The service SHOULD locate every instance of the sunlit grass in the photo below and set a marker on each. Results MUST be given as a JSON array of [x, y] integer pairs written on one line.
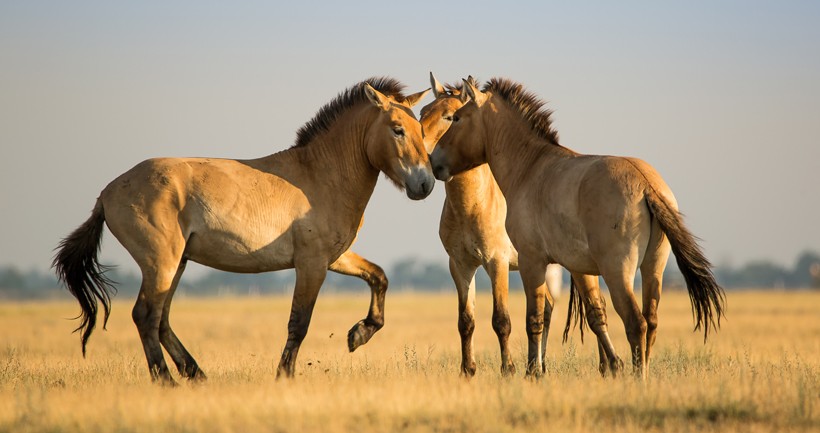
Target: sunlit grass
[[759, 373]]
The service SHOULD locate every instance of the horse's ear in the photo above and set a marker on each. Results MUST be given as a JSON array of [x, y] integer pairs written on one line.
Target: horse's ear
[[464, 96], [414, 99], [438, 89], [476, 95], [376, 97]]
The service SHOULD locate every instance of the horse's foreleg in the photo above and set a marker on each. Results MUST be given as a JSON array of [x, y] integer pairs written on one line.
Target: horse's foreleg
[[352, 264], [464, 279], [186, 364], [309, 279], [535, 288], [499, 272], [549, 302]]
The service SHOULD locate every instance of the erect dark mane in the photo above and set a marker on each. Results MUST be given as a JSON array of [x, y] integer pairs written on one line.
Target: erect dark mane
[[452, 89], [530, 107], [351, 96]]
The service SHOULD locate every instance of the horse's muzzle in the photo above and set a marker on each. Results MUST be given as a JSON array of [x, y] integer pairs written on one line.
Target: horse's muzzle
[[419, 183], [439, 170]]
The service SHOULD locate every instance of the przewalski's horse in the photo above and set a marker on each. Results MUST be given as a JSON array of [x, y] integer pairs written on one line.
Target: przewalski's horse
[[300, 208], [473, 234], [595, 215]]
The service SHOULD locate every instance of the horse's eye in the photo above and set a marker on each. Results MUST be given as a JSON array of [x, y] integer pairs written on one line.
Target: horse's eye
[[399, 131], [448, 118], [455, 118]]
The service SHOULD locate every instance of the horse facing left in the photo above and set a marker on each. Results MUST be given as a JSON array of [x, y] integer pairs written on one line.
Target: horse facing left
[[300, 208]]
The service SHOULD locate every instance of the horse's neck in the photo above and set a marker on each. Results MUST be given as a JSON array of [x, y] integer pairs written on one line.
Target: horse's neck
[[471, 188], [332, 167], [514, 151]]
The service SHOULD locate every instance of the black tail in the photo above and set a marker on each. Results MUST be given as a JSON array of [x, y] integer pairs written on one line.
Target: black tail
[[78, 268], [575, 307], [706, 296]]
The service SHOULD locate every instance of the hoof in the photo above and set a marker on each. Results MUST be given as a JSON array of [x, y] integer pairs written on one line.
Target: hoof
[[283, 373], [468, 369], [616, 367], [198, 378], [508, 370], [359, 335], [534, 375], [167, 382]]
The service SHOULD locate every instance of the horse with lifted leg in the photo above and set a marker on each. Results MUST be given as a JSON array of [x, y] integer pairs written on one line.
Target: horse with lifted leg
[[300, 208]]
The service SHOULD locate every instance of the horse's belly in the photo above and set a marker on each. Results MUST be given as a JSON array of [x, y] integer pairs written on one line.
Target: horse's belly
[[234, 253], [558, 239]]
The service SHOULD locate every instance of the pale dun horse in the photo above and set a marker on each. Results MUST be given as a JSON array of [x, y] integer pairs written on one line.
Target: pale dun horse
[[300, 208], [594, 215], [473, 234]]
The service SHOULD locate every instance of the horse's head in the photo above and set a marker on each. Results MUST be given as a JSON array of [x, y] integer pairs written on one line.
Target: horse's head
[[395, 144], [437, 116], [462, 146]]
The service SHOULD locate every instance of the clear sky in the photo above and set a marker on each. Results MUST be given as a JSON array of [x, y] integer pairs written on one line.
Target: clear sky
[[723, 98]]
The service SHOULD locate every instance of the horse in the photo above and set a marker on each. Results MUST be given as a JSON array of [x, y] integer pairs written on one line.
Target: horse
[[299, 208], [473, 234], [594, 215]]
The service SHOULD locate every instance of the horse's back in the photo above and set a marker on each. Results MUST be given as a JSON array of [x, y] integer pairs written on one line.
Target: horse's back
[[224, 213], [578, 208]]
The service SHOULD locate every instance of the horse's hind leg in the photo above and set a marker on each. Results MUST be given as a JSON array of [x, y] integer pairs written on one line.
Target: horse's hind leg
[[595, 307], [464, 279], [186, 365], [652, 268], [352, 264], [147, 315], [620, 284], [499, 272]]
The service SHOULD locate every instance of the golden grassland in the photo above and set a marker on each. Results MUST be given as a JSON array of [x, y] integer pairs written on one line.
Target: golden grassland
[[759, 373]]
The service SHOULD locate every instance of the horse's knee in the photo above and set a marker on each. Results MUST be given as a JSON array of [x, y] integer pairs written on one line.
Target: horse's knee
[[466, 323], [638, 328], [501, 324], [651, 323], [535, 324]]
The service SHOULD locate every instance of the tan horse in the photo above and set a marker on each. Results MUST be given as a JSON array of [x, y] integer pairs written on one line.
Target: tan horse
[[595, 215], [473, 234], [300, 208]]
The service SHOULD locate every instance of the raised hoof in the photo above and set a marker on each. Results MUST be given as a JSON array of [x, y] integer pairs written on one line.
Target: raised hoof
[[359, 335]]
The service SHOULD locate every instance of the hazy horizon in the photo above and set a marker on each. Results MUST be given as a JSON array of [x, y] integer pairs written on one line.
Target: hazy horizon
[[722, 99]]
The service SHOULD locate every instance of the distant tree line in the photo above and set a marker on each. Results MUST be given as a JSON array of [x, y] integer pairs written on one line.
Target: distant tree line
[[407, 274]]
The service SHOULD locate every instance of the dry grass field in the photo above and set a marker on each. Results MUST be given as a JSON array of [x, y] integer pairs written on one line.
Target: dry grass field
[[761, 372]]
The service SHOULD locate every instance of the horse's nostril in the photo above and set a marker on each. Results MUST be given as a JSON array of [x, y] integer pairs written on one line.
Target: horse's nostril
[[427, 185]]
